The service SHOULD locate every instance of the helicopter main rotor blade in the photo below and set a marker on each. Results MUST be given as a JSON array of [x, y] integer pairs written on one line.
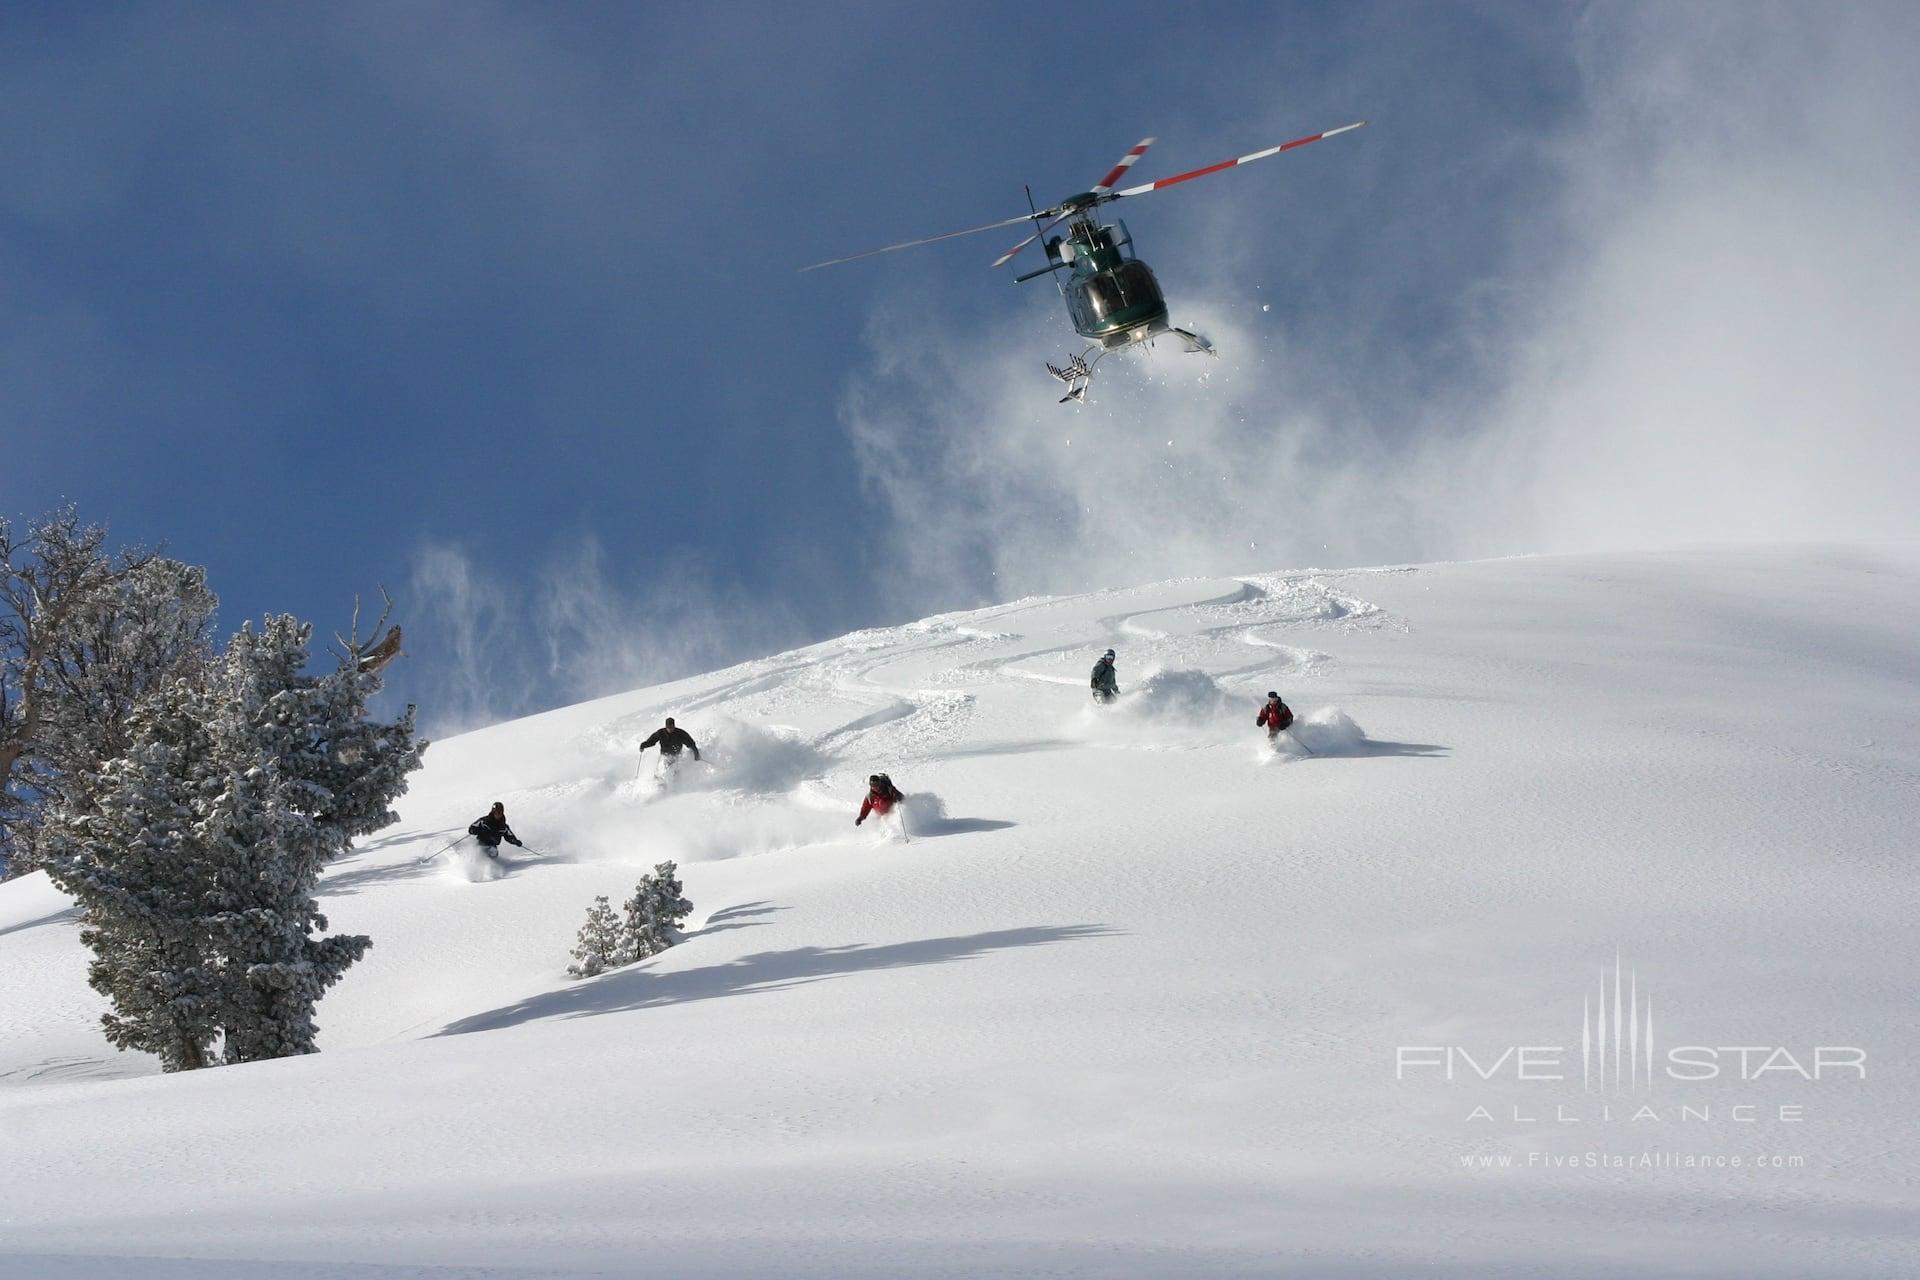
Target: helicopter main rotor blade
[[1120, 170], [1007, 257], [1228, 164], [908, 244]]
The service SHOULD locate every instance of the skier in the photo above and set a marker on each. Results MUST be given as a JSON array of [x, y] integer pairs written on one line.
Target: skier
[[1106, 686], [1276, 716], [882, 795], [671, 742], [492, 829]]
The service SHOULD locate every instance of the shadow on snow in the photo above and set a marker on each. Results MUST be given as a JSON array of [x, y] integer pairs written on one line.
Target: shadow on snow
[[640, 988], [62, 916], [735, 918], [1381, 747], [957, 826], [345, 877]]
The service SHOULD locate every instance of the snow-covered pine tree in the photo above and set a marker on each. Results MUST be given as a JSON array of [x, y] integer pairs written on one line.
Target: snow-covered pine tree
[[137, 864], [602, 944], [196, 859], [83, 634], [656, 912], [309, 771]]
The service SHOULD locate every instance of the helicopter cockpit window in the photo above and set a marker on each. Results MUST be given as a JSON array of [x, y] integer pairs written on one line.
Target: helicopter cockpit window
[[1104, 296], [1136, 281]]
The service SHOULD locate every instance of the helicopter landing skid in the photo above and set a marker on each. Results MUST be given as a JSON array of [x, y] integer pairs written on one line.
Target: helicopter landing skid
[[1078, 375], [1195, 343]]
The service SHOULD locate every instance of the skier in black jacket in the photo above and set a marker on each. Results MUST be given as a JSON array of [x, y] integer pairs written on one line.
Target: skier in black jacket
[[671, 741], [492, 829]]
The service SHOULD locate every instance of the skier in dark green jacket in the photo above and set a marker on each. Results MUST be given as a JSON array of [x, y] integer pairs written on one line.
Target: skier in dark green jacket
[[1106, 686]]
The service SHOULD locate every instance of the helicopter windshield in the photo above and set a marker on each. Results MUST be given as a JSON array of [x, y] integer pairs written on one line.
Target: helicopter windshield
[[1128, 284], [1103, 297]]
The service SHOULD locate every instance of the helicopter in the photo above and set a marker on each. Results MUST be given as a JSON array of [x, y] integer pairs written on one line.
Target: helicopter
[[1111, 294]]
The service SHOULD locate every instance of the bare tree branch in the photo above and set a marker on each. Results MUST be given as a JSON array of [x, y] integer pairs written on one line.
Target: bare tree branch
[[370, 656]]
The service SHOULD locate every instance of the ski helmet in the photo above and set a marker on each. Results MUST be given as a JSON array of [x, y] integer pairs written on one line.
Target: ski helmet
[[1273, 695], [1108, 654]]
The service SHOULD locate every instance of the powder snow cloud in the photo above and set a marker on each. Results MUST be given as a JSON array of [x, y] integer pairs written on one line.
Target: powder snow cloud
[[495, 646]]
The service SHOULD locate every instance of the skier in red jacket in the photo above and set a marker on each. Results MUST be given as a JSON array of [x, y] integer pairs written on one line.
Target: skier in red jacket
[[882, 795], [1276, 716]]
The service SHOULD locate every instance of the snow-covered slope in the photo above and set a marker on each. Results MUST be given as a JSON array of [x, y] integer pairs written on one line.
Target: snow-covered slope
[[1133, 999]]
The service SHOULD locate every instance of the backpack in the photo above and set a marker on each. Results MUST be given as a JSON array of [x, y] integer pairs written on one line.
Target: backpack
[[890, 791]]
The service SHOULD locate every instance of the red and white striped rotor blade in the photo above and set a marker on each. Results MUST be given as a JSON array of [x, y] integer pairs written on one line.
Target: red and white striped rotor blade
[[1228, 164], [908, 244], [1007, 257], [1119, 170]]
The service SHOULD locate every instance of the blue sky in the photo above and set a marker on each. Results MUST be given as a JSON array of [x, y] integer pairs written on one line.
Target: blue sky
[[497, 304]]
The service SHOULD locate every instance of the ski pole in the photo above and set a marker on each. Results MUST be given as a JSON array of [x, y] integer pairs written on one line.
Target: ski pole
[[437, 852], [1299, 742]]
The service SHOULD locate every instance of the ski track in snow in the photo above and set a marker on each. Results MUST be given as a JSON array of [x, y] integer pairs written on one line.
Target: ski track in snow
[[1126, 1001]]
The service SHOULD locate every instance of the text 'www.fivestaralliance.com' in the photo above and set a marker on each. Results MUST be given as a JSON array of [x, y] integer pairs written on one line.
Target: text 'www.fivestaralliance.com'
[[1649, 1161]]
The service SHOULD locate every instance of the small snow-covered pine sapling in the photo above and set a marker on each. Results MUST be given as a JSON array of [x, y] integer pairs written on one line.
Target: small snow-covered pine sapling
[[652, 923], [656, 911], [602, 943]]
